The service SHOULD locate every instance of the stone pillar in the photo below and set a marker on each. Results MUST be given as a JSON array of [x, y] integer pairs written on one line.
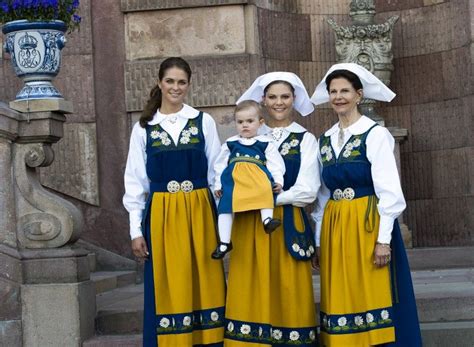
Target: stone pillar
[[41, 271], [400, 135]]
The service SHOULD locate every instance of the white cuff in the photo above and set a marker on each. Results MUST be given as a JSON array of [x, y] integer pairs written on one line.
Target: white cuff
[[385, 229], [135, 223], [317, 234], [284, 198]]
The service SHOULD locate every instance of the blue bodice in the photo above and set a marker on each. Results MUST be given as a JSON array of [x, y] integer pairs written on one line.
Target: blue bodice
[[186, 160], [351, 168], [290, 150]]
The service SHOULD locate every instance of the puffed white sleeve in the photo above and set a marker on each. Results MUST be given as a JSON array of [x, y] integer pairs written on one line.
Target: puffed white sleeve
[[275, 163], [137, 184], [212, 147], [220, 164], [307, 184], [321, 201], [380, 145]]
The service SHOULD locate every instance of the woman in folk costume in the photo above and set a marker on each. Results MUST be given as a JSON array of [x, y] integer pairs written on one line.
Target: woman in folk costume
[[167, 178], [270, 299], [366, 290]]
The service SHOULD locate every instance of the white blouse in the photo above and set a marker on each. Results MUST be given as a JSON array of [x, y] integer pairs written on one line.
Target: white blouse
[[308, 182], [380, 146], [275, 163], [137, 184]]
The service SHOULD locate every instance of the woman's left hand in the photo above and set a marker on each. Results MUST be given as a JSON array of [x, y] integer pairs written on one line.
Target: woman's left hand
[[381, 254]]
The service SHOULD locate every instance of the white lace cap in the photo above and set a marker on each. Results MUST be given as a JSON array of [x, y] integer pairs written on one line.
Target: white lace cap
[[302, 103], [373, 87]]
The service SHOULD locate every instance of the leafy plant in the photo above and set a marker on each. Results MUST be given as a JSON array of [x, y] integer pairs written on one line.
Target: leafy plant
[[41, 10]]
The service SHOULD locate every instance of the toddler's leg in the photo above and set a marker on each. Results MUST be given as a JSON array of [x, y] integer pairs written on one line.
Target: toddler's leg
[[269, 224], [224, 223], [225, 229]]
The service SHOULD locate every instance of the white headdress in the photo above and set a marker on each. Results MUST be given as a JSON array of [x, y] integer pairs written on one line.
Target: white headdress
[[373, 87], [302, 103]]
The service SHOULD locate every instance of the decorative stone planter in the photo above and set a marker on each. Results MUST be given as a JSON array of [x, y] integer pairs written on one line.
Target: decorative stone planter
[[35, 50]]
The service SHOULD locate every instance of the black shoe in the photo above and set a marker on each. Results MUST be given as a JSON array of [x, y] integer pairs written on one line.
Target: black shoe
[[271, 224], [218, 254]]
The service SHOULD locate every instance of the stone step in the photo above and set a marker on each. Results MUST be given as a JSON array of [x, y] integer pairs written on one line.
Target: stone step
[[114, 341], [455, 334], [110, 280], [442, 296]]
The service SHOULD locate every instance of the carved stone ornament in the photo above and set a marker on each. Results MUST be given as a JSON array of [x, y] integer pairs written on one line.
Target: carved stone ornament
[[45, 220]]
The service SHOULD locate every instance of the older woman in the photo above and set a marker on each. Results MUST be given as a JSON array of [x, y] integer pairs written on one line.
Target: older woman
[[270, 293], [172, 151], [366, 291]]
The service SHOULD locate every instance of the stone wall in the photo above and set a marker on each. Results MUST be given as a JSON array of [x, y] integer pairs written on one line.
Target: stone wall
[[112, 62]]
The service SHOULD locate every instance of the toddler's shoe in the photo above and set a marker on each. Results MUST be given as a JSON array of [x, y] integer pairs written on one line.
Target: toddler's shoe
[[218, 253], [270, 224]]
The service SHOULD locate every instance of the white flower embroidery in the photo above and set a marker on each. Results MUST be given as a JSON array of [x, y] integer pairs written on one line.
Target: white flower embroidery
[[163, 135], [155, 134], [384, 314], [286, 145], [325, 149], [349, 146], [295, 247], [187, 321], [284, 151], [346, 154], [257, 157], [294, 143], [342, 321], [311, 249], [173, 322], [237, 154], [245, 329], [308, 253], [186, 133], [369, 317], [356, 142], [166, 142], [329, 323], [184, 140], [193, 130], [328, 156], [247, 156], [277, 334], [214, 316], [294, 335], [358, 320], [164, 322], [312, 335], [230, 326], [260, 331], [302, 252]]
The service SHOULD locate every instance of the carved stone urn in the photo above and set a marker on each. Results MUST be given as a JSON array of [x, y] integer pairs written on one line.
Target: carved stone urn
[[35, 50]]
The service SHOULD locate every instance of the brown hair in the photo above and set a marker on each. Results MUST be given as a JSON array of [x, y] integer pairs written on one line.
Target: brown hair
[[249, 104], [154, 102]]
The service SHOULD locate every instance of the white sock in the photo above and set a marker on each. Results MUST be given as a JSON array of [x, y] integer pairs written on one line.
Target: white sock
[[225, 228], [266, 213]]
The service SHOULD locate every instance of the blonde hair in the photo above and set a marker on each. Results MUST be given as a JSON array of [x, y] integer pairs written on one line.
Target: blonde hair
[[250, 104]]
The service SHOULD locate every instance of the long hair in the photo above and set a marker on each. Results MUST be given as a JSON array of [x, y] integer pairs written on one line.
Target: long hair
[[154, 102]]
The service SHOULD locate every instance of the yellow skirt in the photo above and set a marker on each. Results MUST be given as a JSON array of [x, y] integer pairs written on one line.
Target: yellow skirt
[[355, 294], [252, 188], [189, 285], [270, 294]]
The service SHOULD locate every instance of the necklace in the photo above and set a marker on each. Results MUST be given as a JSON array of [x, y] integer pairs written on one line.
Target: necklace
[[340, 138], [277, 133]]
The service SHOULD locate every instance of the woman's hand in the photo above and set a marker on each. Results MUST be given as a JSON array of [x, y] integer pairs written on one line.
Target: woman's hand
[[218, 193], [277, 188], [139, 248], [315, 261], [381, 254]]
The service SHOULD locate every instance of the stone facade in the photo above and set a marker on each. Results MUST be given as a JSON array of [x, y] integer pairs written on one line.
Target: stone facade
[[112, 62]]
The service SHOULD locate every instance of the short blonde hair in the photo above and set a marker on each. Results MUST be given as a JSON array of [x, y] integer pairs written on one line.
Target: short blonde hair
[[250, 104]]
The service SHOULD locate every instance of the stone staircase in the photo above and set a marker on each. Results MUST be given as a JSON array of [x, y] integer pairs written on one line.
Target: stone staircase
[[443, 281]]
